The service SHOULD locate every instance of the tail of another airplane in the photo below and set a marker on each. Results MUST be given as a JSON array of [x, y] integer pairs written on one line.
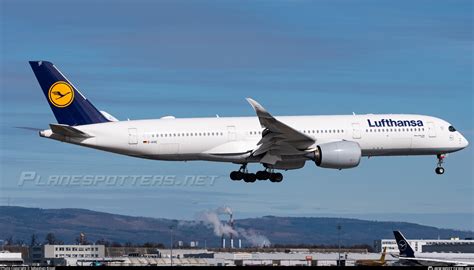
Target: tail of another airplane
[[69, 106], [403, 246], [382, 257]]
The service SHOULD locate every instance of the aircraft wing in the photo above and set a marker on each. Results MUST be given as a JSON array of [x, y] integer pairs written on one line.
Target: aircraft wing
[[432, 261], [278, 139]]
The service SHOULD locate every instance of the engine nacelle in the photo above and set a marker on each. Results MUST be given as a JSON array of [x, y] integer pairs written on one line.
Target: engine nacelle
[[338, 155]]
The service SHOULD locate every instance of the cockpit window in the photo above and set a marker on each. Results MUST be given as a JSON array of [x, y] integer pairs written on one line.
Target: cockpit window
[[451, 128]]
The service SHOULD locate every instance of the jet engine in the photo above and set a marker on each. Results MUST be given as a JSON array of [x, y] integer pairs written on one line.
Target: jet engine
[[338, 155]]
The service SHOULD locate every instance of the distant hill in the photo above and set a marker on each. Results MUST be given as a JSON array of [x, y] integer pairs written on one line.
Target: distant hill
[[20, 223]]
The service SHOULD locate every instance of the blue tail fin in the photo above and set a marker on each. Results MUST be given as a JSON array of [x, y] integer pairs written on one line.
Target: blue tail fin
[[69, 106], [403, 245]]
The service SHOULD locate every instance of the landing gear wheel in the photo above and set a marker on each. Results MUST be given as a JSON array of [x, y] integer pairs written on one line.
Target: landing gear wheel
[[439, 170], [262, 175], [239, 175], [276, 177], [250, 177], [236, 175]]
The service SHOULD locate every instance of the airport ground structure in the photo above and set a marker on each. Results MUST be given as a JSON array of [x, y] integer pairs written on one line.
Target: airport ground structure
[[87, 255]]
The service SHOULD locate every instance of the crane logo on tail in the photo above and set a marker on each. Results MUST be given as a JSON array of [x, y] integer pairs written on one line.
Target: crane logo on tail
[[402, 245], [61, 94]]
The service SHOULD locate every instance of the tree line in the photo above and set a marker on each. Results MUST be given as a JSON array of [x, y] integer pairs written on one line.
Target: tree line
[[51, 239]]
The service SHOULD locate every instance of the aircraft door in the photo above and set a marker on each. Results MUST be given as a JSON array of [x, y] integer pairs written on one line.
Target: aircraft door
[[132, 136], [356, 133], [232, 136], [431, 130]]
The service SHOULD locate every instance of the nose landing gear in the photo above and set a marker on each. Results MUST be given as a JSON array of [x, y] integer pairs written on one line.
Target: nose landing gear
[[439, 169]]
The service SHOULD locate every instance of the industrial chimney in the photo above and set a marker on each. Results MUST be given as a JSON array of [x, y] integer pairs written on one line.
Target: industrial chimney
[[231, 223]]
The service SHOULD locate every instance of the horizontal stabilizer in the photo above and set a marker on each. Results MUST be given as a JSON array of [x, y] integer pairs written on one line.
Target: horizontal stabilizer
[[30, 128], [69, 131]]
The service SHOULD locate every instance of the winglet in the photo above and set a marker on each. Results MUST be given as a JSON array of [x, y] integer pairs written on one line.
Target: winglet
[[255, 105], [259, 109]]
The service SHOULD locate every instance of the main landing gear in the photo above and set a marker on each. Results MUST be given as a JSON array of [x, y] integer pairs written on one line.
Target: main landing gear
[[243, 174], [439, 169]]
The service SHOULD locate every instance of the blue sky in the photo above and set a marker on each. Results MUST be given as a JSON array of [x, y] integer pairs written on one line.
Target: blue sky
[[147, 59]]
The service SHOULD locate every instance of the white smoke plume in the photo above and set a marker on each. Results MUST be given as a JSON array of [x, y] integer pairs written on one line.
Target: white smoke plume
[[210, 218], [254, 238], [224, 210]]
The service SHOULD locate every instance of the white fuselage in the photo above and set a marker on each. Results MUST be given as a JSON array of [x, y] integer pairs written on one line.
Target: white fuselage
[[232, 139], [440, 259]]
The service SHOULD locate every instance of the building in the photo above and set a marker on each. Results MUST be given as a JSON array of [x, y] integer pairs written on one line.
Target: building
[[127, 251], [36, 255], [193, 257], [56, 254], [10, 258], [98, 255], [420, 245], [73, 251]]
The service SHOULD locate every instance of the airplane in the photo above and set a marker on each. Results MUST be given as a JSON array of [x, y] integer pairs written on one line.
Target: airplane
[[409, 257], [278, 143], [379, 262]]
